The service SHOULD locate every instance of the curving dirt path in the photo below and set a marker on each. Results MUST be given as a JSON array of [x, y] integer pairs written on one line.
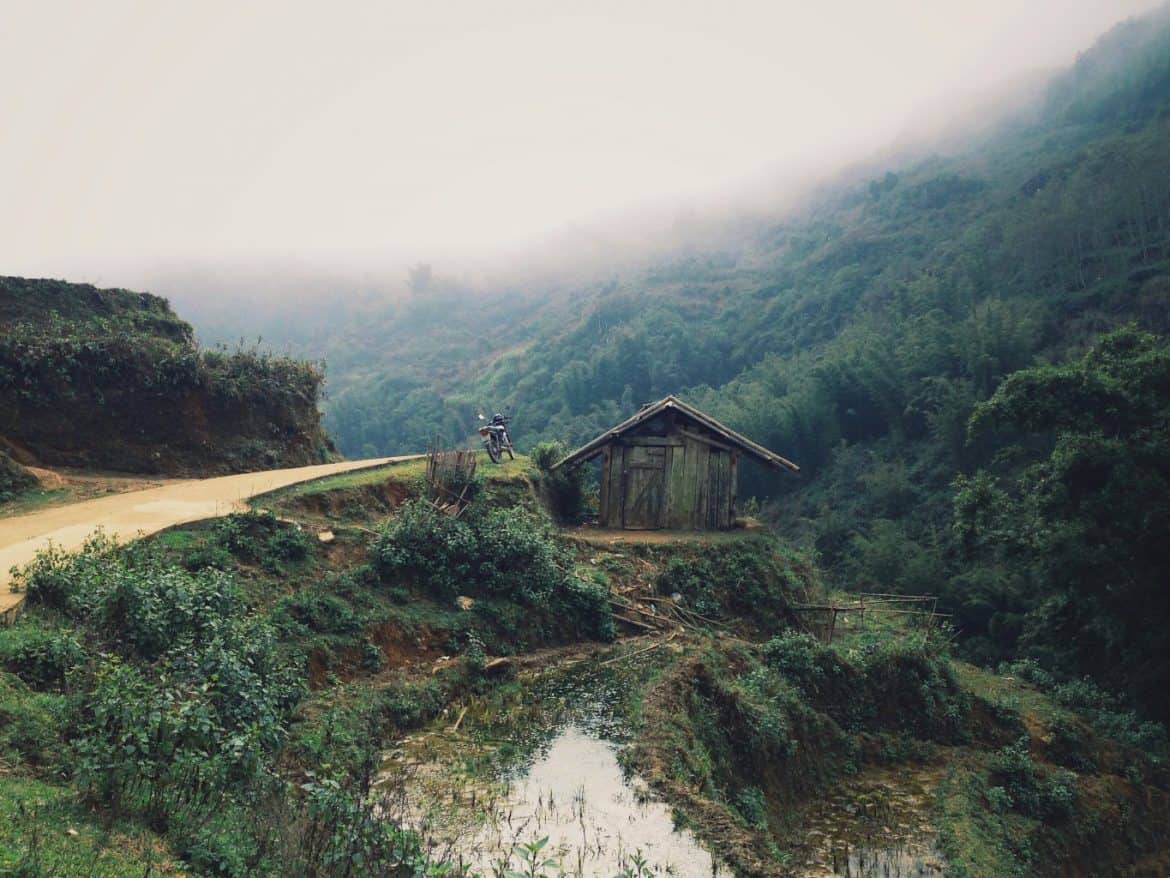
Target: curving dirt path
[[145, 512]]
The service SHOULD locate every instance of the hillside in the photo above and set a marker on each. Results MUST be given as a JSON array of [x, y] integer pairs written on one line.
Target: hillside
[[113, 379], [243, 697], [859, 337], [1023, 244]]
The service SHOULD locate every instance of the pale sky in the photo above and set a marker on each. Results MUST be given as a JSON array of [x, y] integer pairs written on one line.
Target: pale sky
[[139, 134]]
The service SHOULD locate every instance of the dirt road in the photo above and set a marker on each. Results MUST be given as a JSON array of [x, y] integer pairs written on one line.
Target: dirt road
[[144, 512]]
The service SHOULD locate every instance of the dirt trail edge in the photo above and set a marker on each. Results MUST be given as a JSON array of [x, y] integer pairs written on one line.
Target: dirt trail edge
[[145, 512]]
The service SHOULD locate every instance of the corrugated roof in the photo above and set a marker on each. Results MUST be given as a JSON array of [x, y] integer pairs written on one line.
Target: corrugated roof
[[593, 448]]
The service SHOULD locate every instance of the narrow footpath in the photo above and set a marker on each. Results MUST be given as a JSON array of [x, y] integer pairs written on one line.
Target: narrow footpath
[[140, 513]]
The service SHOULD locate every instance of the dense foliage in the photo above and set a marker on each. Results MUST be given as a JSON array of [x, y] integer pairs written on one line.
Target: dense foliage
[[1068, 555], [166, 701], [494, 555], [13, 478], [112, 378], [858, 336]]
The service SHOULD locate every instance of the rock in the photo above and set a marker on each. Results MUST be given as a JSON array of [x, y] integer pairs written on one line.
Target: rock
[[497, 665], [326, 536], [71, 831], [464, 602]]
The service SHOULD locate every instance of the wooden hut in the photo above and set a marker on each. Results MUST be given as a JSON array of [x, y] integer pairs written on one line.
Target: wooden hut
[[670, 466]]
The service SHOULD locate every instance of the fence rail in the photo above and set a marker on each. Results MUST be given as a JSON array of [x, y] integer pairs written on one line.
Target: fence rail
[[823, 620]]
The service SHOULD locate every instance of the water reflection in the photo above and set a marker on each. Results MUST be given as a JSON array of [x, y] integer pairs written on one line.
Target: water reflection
[[877, 827], [597, 822], [542, 764]]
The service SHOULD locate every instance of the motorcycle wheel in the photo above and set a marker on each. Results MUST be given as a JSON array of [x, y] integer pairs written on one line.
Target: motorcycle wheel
[[493, 449], [508, 448]]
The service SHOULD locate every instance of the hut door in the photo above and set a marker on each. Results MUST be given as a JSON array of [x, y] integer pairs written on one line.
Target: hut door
[[644, 494]]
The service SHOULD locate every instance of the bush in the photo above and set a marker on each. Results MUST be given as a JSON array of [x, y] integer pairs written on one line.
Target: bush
[[435, 550], [1029, 788], [313, 612], [564, 489], [409, 705], [805, 661], [261, 538], [40, 657], [31, 724], [752, 807], [913, 688], [499, 555], [14, 479], [754, 579], [54, 576], [1104, 711]]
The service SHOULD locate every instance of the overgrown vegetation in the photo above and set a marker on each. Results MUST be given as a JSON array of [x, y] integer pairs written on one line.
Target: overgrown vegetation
[[14, 479], [493, 555], [857, 337], [110, 378], [564, 490], [754, 579]]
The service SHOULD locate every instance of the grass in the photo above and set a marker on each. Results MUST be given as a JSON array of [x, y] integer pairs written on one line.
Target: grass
[[44, 831], [1032, 703], [973, 839], [406, 471], [410, 472], [681, 538], [34, 501]]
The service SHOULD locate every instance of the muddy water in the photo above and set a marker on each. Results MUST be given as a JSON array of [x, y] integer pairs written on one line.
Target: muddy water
[[543, 761], [546, 766], [876, 827]]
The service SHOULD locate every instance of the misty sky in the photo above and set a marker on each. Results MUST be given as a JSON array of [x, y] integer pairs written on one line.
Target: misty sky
[[134, 135]]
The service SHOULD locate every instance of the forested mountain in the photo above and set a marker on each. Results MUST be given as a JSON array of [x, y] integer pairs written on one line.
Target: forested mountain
[[1025, 244], [859, 336]]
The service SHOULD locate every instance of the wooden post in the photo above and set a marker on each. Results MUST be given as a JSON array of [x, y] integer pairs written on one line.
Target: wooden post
[[832, 625]]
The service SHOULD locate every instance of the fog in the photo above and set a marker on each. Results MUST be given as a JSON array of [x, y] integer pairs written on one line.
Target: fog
[[227, 146]]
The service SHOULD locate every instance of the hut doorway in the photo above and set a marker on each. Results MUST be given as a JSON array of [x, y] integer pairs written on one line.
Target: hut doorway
[[644, 491]]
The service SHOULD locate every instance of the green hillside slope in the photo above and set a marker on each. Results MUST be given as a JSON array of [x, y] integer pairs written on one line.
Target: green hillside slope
[[858, 338]]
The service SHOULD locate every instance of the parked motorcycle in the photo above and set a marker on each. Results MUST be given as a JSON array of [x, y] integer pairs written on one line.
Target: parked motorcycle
[[495, 437]]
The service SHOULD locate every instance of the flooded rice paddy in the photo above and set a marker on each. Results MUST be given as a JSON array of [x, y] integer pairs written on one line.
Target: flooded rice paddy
[[544, 766], [878, 826], [543, 761]]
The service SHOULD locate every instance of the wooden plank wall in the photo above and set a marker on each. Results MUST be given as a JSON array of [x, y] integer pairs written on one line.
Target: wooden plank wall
[[603, 492], [616, 493], [698, 489]]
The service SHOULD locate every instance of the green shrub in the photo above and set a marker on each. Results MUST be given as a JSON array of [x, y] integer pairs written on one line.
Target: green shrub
[[1070, 746], [1028, 787], [42, 658], [211, 555], [1106, 713], [261, 538], [434, 549], [912, 688], [14, 479], [314, 612], [347, 833], [752, 807], [409, 705], [563, 489], [806, 662], [54, 576], [752, 579], [32, 725], [500, 555]]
